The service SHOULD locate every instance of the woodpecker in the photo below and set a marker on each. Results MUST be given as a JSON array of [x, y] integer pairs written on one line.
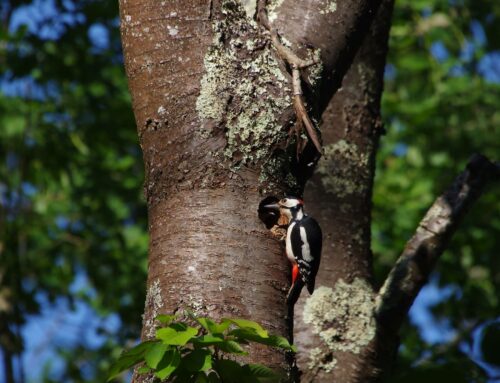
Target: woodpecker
[[303, 245]]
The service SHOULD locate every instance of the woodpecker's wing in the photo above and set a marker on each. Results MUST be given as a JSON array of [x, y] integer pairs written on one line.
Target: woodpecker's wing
[[306, 240]]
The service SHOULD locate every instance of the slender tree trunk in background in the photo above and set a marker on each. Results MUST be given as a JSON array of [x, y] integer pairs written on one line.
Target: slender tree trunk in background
[[339, 196]]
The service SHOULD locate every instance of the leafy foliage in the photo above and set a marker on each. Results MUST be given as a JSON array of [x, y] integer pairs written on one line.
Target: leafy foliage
[[70, 177], [440, 107], [202, 352]]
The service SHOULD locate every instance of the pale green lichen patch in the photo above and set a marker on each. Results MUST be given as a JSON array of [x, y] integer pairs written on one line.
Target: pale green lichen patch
[[243, 89], [328, 7], [317, 359], [250, 7], [154, 302], [344, 169], [367, 74], [316, 71], [272, 6], [342, 317]]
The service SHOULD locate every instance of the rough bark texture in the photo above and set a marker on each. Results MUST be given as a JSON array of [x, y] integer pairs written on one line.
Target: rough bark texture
[[208, 252], [213, 105], [212, 102], [339, 196], [334, 28]]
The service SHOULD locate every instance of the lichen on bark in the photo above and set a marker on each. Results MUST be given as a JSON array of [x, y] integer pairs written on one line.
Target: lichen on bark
[[272, 6], [329, 6], [342, 317], [243, 89], [154, 302], [341, 160]]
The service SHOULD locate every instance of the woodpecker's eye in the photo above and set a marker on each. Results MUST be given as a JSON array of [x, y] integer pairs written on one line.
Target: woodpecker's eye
[[285, 200]]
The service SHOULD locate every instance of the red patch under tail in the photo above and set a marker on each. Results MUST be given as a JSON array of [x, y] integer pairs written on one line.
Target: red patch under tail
[[295, 273]]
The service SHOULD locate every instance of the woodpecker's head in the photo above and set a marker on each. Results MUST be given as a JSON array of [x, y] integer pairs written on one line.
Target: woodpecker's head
[[291, 207]]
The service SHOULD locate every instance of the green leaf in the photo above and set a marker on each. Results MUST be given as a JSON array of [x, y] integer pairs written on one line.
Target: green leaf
[[252, 336], [170, 335], [165, 319], [141, 348], [77, 141], [168, 364], [207, 340], [121, 365], [207, 323], [248, 324], [143, 370], [228, 370], [130, 358], [262, 372], [197, 360], [232, 347], [154, 355], [13, 126], [281, 342], [212, 327]]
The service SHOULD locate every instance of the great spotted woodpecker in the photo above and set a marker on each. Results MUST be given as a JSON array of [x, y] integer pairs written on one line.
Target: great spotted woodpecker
[[303, 245]]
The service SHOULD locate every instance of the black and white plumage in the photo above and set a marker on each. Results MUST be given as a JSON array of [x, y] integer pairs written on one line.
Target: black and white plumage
[[303, 246]]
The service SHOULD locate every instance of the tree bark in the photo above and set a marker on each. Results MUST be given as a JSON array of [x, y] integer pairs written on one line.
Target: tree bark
[[212, 102], [212, 96], [339, 196], [208, 251]]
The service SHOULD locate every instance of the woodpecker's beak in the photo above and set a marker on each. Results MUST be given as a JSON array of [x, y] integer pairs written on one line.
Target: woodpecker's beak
[[272, 206]]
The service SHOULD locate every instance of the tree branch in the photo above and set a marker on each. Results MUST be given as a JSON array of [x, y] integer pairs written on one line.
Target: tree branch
[[335, 28], [430, 240]]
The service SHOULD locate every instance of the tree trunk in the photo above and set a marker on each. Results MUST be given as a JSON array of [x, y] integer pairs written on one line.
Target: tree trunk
[[208, 251], [212, 99], [339, 196], [216, 89]]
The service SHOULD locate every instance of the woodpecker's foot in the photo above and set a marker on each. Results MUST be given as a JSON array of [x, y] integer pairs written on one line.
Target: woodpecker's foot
[[278, 233]]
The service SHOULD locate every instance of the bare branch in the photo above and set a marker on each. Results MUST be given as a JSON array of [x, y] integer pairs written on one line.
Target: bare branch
[[431, 238]]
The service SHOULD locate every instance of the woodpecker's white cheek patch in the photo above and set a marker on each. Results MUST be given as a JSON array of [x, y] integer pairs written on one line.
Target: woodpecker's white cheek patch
[[306, 251]]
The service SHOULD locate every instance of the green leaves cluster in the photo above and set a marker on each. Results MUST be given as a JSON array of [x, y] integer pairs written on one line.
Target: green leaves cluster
[[439, 109], [71, 175], [202, 352]]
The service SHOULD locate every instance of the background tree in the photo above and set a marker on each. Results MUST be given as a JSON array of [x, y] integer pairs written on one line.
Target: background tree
[[62, 89], [72, 220]]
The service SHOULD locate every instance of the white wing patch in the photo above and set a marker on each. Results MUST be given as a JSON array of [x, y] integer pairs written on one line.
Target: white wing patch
[[306, 251], [289, 250]]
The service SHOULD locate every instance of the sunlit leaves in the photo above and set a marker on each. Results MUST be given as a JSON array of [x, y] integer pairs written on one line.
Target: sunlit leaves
[[179, 352], [178, 335]]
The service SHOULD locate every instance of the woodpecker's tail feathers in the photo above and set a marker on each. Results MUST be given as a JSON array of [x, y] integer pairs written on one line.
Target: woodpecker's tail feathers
[[310, 286], [294, 292]]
